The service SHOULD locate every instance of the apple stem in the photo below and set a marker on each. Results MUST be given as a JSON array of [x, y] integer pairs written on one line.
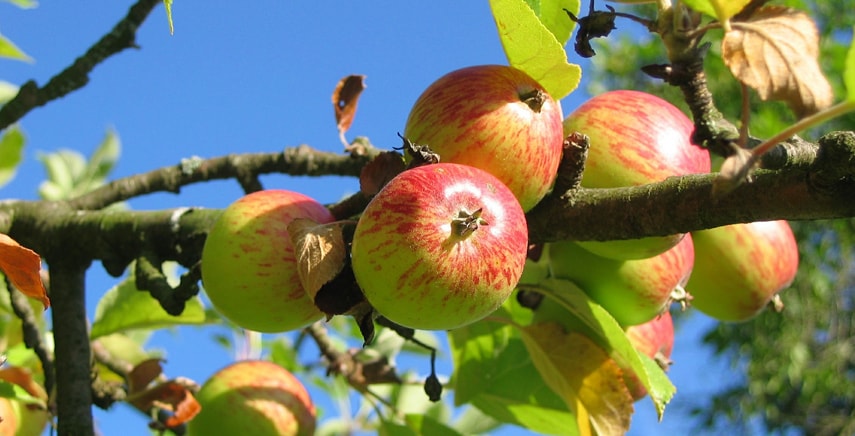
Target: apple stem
[[534, 99], [466, 222]]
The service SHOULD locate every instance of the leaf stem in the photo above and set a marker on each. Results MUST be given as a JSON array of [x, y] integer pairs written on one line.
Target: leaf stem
[[805, 123]]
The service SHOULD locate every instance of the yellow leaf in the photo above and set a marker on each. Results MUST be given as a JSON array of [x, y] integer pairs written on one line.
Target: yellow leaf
[[582, 374], [21, 266], [320, 252], [776, 53]]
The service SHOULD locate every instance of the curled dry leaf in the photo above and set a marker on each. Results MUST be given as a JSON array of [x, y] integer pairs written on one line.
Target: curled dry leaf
[[320, 251], [21, 266], [583, 375], [173, 395], [736, 169], [380, 170], [143, 374], [344, 99], [776, 53]]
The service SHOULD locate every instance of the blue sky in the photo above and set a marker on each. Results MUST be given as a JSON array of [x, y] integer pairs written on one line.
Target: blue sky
[[258, 78]]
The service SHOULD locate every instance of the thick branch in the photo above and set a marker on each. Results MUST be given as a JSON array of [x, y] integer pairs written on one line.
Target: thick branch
[[75, 76], [681, 204]]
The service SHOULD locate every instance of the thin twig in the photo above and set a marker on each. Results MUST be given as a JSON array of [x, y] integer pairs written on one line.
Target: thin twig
[[76, 75], [33, 337]]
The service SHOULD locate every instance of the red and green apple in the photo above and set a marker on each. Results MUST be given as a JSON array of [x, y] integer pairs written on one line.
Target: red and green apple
[[636, 138], [253, 397], [249, 268], [740, 267], [440, 246], [496, 118], [632, 291]]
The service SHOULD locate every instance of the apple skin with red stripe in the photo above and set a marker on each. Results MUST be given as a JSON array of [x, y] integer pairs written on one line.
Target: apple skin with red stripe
[[440, 246], [740, 267], [254, 397], [632, 291], [496, 118], [249, 267], [635, 139]]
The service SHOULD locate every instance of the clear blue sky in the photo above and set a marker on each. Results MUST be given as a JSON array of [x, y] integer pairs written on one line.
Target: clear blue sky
[[258, 78]]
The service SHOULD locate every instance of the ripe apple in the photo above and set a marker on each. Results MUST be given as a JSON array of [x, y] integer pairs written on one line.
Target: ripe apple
[[248, 263], [253, 397], [496, 118], [633, 291], [440, 246], [655, 339], [636, 139], [740, 267]]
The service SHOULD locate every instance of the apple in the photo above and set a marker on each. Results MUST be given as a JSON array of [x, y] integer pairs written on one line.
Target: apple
[[22, 419], [636, 138], [655, 339], [249, 267], [253, 397], [440, 246], [496, 118], [632, 291], [740, 267]]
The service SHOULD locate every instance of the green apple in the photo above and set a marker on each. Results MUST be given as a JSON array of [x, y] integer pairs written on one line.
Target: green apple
[[248, 263], [253, 397], [632, 291], [496, 118], [740, 267], [636, 139], [440, 246]]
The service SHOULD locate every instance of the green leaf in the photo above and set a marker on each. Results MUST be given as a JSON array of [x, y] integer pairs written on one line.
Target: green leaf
[[723, 10], [103, 160], [599, 326], [530, 46], [124, 308], [849, 70], [23, 4], [11, 153], [168, 5], [494, 373], [551, 13], [9, 50]]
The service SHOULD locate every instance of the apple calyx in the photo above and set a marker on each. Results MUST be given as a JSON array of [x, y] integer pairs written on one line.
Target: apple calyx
[[466, 223], [682, 297], [534, 99]]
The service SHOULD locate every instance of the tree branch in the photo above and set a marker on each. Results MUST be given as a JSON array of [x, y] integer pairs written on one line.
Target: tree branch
[[71, 336], [75, 76], [295, 161], [33, 337]]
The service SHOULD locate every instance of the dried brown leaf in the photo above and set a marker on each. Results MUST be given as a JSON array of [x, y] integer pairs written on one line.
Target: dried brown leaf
[[320, 252], [21, 266], [735, 170], [344, 99], [143, 374], [379, 171], [776, 53], [173, 395]]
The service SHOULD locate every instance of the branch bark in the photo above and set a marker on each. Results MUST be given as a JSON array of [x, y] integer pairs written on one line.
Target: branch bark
[[73, 375]]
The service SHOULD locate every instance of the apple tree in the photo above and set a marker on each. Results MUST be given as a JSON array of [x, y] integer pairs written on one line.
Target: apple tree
[[544, 254]]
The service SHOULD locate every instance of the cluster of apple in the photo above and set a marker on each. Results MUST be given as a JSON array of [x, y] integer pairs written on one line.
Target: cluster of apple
[[730, 273], [442, 245]]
